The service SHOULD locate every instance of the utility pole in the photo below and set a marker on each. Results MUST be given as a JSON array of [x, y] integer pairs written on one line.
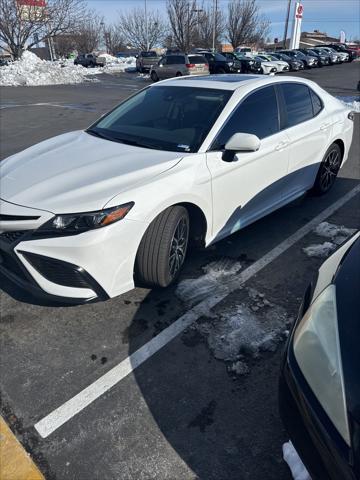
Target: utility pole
[[146, 28], [188, 28], [286, 23], [215, 8]]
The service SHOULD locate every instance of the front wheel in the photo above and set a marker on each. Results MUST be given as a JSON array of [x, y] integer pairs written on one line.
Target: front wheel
[[163, 248], [329, 168]]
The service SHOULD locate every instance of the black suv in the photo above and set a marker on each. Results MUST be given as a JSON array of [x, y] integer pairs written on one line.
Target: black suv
[[242, 63], [217, 62]]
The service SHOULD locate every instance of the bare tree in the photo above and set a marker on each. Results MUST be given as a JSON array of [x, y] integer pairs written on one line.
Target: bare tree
[[205, 27], [132, 25], [24, 24], [244, 23], [114, 39], [182, 22], [65, 44], [89, 33]]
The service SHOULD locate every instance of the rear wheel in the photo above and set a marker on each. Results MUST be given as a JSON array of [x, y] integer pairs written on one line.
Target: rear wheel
[[221, 70], [179, 74], [154, 76], [329, 168], [163, 248]]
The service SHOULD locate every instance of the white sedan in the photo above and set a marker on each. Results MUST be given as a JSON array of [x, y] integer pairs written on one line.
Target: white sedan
[[87, 215], [267, 67], [280, 65]]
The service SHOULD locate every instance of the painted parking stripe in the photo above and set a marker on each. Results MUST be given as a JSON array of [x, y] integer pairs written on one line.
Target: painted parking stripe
[[15, 462], [76, 404]]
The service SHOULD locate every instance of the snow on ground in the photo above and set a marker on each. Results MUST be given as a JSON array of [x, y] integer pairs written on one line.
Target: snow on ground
[[296, 466], [237, 334], [118, 64], [336, 235], [215, 279], [352, 102], [30, 70]]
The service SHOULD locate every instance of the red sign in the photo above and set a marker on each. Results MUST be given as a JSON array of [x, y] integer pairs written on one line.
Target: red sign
[[32, 3], [299, 11]]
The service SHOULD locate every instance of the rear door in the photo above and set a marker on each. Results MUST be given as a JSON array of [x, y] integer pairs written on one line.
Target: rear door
[[250, 186], [308, 127]]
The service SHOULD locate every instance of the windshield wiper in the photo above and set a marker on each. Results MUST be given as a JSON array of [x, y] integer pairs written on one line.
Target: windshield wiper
[[95, 133]]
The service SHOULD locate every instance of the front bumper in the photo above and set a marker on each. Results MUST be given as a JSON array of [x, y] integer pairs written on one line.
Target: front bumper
[[321, 448], [87, 267]]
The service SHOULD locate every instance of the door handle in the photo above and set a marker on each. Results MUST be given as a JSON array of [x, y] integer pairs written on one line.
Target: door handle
[[281, 146], [324, 126]]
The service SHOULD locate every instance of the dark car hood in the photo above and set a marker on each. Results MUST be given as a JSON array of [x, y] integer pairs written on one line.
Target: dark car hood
[[347, 282]]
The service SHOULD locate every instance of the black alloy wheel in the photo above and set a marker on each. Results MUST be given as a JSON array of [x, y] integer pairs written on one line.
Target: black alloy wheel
[[329, 168]]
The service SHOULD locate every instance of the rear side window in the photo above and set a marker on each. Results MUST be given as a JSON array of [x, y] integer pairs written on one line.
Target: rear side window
[[316, 103], [197, 59], [298, 103], [176, 60], [257, 114]]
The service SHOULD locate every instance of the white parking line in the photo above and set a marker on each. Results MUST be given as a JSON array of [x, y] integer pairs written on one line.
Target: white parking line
[[69, 409]]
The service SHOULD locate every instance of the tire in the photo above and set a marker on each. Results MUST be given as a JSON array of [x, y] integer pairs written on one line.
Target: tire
[[179, 74], [221, 70], [161, 254], [154, 76], [328, 170]]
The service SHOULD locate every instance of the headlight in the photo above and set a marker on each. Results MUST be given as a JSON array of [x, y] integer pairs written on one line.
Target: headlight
[[251, 62], [70, 224], [317, 352], [230, 64]]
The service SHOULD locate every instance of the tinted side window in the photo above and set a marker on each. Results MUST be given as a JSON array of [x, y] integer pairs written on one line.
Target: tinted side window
[[176, 60], [316, 103], [297, 103], [257, 114]]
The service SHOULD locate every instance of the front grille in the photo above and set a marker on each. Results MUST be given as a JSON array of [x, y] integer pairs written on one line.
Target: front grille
[[57, 271], [10, 237]]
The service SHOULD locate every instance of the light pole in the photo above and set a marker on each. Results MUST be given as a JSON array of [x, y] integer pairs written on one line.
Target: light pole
[[146, 28], [286, 23], [198, 10], [215, 7]]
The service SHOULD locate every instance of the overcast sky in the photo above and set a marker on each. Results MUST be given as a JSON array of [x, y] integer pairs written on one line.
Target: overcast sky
[[330, 16]]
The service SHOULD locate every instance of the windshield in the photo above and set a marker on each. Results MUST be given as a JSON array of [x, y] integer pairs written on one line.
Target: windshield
[[164, 118], [219, 57], [148, 54]]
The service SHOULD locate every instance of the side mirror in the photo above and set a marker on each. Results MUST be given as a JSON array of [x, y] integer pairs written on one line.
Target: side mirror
[[240, 142]]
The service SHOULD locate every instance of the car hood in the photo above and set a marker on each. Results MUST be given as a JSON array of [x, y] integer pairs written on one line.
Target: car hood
[[77, 172]]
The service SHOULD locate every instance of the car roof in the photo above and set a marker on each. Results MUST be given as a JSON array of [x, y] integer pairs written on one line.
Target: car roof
[[229, 81]]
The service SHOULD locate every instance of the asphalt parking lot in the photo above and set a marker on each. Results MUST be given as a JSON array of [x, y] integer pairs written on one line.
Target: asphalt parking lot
[[195, 408]]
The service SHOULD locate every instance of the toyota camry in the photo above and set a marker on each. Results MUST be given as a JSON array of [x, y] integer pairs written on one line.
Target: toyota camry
[[88, 214]]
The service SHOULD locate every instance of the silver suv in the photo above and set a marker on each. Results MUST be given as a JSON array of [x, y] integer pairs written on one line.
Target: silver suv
[[179, 64]]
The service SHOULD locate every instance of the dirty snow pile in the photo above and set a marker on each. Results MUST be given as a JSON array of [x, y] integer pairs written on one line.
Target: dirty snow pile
[[352, 102], [235, 334], [117, 64], [336, 235], [30, 70], [296, 466]]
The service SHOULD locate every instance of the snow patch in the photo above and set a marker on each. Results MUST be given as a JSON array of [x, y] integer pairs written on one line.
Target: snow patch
[[337, 235], [352, 102], [296, 466], [30, 70], [217, 276]]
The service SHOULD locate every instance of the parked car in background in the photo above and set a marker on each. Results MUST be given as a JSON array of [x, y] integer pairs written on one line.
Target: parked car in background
[[320, 383], [247, 51], [266, 66], [339, 47], [281, 65], [333, 55], [88, 213], [145, 60], [340, 56], [217, 62], [323, 58], [242, 63], [294, 64], [179, 64], [308, 61], [88, 60]]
